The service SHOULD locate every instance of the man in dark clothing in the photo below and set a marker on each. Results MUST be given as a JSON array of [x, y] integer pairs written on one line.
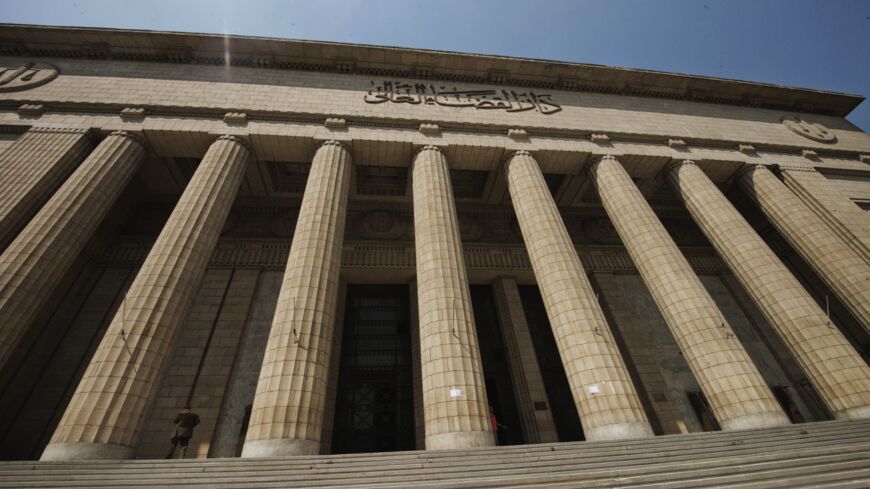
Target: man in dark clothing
[[185, 421]]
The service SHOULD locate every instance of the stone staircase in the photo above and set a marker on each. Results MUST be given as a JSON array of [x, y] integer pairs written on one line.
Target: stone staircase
[[827, 454]]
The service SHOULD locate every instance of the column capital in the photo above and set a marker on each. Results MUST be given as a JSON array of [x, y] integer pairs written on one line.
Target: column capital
[[130, 135], [334, 142], [236, 139], [427, 147], [747, 168], [601, 159], [676, 163]]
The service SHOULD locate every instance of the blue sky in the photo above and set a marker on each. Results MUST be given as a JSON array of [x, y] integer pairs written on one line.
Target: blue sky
[[820, 44]]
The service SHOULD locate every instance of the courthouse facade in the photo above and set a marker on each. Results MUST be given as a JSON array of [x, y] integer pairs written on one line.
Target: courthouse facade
[[330, 248]]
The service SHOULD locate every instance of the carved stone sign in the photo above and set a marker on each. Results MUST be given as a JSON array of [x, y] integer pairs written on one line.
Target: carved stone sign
[[26, 76], [809, 130], [399, 92]]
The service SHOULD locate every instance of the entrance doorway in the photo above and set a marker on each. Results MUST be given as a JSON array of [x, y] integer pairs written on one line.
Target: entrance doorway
[[374, 401]]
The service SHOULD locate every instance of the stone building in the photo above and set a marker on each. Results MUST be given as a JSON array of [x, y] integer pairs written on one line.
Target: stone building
[[330, 248]]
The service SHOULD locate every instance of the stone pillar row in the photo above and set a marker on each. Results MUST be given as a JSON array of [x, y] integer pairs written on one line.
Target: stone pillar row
[[606, 399], [735, 390], [837, 371], [842, 269], [36, 261], [103, 419]]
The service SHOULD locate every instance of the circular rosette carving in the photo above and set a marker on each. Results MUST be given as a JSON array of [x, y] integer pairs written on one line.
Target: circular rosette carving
[[283, 225], [809, 130], [381, 225], [470, 228], [231, 223], [601, 230], [28, 75]]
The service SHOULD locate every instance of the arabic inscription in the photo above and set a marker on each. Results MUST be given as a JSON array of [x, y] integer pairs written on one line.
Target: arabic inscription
[[398, 92]]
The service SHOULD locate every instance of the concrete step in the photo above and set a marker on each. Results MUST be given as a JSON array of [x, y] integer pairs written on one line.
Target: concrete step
[[627, 445], [697, 441], [355, 469], [818, 453]]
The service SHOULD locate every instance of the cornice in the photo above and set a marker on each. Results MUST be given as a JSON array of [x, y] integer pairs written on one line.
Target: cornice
[[254, 52]]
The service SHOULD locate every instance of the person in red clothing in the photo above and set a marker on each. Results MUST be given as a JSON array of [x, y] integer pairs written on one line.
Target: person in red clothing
[[496, 426]]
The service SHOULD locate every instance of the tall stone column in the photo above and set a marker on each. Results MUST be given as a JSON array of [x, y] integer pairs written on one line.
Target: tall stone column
[[531, 395], [847, 274], [36, 261], [454, 392], [820, 194], [606, 399], [104, 417], [289, 405], [836, 370], [32, 168], [738, 395]]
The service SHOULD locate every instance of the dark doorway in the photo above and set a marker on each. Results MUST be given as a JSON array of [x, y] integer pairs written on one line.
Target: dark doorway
[[496, 372], [374, 409], [555, 381]]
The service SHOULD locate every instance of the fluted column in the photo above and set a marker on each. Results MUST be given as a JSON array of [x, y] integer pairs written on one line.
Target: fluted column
[[32, 168], [847, 274], [606, 399], [839, 374], [289, 405], [738, 395], [36, 261], [104, 418], [531, 395], [454, 392], [834, 207]]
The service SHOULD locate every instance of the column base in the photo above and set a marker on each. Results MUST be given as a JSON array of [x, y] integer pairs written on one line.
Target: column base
[[861, 412], [86, 451], [460, 439], [280, 447], [755, 421], [623, 431]]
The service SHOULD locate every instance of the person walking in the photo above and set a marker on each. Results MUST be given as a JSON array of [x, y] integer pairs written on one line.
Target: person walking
[[496, 426], [185, 421]]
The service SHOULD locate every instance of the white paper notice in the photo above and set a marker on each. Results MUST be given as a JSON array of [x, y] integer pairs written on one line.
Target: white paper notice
[[593, 389], [454, 393]]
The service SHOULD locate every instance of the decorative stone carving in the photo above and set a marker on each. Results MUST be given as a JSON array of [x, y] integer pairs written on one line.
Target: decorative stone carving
[[430, 129], [518, 134], [746, 148], [132, 113], [470, 228], [236, 118], [809, 130], [32, 110], [599, 138], [335, 123], [283, 225], [677, 143], [601, 230], [381, 225], [26, 76], [809, 154]]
